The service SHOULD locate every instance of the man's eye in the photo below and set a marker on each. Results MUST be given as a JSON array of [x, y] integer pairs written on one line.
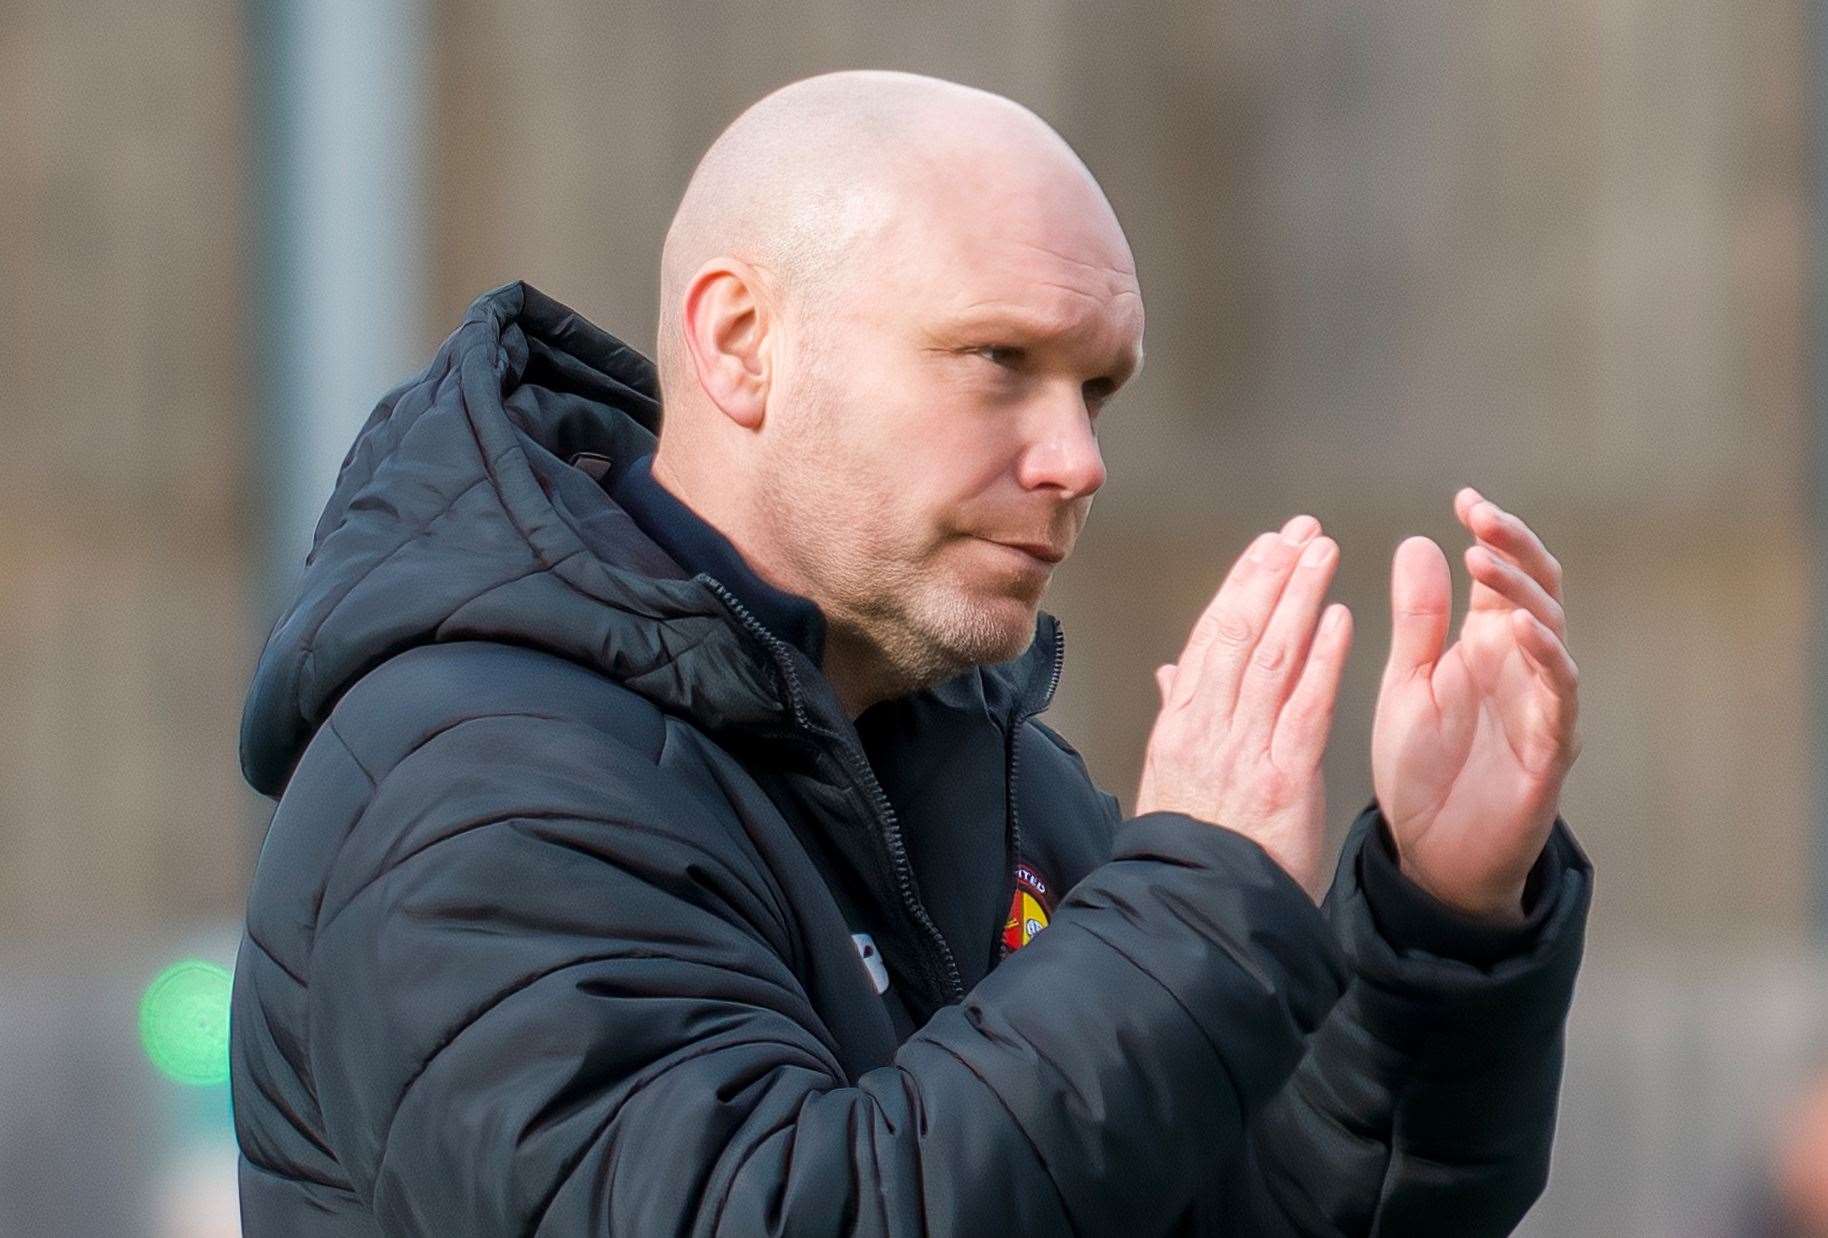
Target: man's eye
[[999, 354]]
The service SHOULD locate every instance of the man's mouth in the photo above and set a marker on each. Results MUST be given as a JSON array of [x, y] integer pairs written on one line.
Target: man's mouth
[[1042, 551]]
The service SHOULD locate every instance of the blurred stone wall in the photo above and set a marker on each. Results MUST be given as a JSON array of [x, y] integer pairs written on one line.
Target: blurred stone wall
[[128, 530]]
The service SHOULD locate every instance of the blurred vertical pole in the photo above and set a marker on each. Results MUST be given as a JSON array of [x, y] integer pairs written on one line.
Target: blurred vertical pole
[[1816, 180], [340, 87]]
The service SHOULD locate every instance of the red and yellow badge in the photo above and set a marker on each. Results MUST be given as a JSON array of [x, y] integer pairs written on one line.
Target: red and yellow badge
[[1028, 908]]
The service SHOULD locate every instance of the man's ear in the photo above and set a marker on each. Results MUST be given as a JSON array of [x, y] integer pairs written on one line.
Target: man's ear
[[729, 330]]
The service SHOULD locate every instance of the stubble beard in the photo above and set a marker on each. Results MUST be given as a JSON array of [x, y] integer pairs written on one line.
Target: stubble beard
[[917, 618]]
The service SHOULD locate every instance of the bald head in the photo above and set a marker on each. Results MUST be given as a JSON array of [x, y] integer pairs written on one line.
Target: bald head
[[892, 309], [808, 182]]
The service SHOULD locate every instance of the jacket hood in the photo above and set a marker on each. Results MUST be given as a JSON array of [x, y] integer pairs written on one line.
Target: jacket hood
[[459, 515]]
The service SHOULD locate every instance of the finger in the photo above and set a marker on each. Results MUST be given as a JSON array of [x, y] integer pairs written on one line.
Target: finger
[[1300, 737], [1555, 668], [1516, 587], [1548, 654], [1276, 663], [1420, 601], [1511, 537], [1234, 620], [1300, 528], [1212, 626]]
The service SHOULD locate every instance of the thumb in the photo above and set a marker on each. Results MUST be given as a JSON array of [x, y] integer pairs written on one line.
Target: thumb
[[1164, 681], [1421, 598]]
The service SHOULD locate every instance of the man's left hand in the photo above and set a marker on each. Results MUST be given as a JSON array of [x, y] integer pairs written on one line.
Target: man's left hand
[[1471, 743]]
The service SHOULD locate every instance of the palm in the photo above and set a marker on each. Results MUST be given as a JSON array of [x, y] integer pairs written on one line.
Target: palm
[[1471, 742]]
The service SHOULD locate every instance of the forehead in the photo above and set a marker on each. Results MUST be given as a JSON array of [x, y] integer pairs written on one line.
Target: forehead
[[1035, 266]]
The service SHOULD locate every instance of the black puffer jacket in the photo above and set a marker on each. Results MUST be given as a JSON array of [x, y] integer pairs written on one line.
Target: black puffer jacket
[[552, 930]]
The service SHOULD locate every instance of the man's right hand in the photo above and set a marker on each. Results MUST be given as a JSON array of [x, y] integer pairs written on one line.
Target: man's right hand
[[1246, 711]]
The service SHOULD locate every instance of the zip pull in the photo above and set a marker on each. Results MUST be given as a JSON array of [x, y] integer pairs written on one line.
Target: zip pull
[[592, 464]]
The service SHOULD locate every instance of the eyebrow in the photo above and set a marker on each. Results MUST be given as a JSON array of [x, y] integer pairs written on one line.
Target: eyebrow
[[1025, 327]]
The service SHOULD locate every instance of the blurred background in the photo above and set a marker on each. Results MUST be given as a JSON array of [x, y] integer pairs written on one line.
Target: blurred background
[[1568, 253]]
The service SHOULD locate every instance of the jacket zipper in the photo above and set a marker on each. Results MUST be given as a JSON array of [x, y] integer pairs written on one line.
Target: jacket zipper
[[1013, 834], [947, 977]]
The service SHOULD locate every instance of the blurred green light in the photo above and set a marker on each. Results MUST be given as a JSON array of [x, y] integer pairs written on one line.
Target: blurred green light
[[184, 1022]]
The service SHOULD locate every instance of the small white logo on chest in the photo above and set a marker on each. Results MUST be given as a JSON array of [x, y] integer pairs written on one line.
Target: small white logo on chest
[[872, 961]]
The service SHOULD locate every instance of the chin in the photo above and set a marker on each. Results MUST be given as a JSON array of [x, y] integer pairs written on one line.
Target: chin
[[1018, 644], [979, 630], [967, 616]]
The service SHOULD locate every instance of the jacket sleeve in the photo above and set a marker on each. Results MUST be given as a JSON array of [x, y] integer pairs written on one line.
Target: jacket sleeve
[[552, 992], [1429, 1093]]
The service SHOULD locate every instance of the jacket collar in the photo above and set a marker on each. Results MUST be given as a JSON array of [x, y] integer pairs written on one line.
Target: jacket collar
[[699, 545]]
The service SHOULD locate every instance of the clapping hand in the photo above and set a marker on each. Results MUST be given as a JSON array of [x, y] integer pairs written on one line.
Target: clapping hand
[[1471, 742]]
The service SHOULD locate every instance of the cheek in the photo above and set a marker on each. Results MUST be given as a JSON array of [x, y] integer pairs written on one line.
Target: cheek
[[944, 487], [913, 465]]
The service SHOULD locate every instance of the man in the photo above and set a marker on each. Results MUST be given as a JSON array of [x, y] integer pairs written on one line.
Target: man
[[666, 841]]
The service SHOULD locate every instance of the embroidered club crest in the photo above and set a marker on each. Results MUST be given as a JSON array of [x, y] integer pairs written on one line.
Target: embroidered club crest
[[1029, 907]]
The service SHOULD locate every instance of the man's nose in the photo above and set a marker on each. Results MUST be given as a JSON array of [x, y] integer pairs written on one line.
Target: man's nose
[[1065, 455]]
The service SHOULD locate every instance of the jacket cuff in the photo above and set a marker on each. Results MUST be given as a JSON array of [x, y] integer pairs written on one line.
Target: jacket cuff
[[1411, 918], [1417, 1001]]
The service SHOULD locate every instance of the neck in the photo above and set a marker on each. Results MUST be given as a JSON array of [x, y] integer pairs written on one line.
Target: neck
[[856, 666], [859, 673]]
